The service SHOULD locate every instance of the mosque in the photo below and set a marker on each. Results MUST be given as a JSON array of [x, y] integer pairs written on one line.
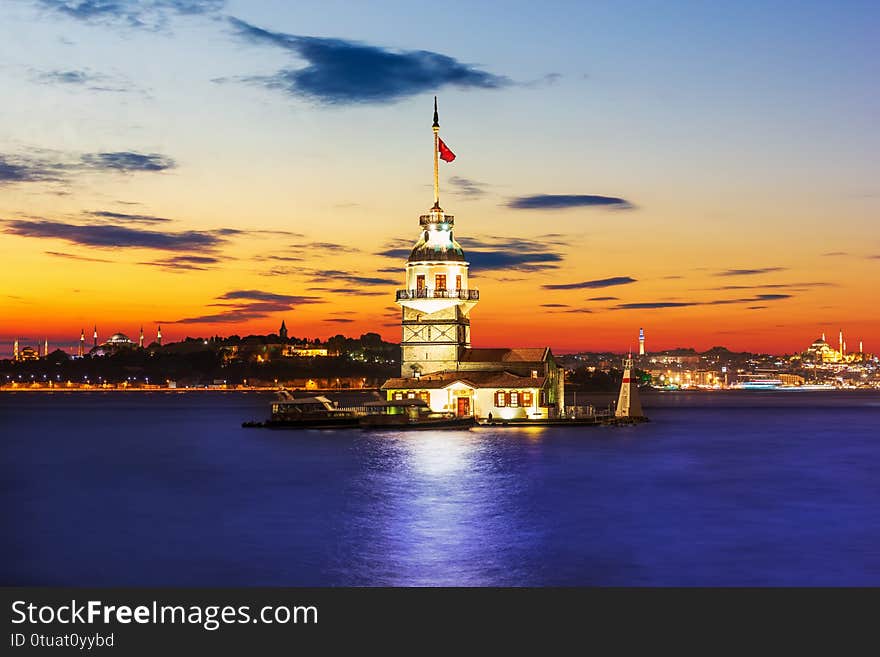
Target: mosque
[[820, 352], [438, 363]]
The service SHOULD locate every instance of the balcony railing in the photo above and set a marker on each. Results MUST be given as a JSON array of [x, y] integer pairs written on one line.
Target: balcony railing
[[431, 293]]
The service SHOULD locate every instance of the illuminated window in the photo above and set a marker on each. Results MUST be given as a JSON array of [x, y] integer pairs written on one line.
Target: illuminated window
[[398, 396], [500, 399], [527, 398], [424, 396], [458, 282], [410, 395], [514, 399], [543, 398], [440, 281], [420, 282]]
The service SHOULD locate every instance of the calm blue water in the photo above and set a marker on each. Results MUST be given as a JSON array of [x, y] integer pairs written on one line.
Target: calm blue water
[[167, 489]]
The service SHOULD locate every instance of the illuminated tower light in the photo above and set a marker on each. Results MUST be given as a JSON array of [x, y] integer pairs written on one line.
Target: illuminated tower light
[[159, 336], [95, 335], [141, 338], [641, 342], [81, 351]]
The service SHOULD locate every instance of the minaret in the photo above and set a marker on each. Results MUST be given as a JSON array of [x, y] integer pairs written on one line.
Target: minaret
[[15, 349], [81, 350], [159, 336], [282, 332], [861, 350], [628, 403], [840, 343], [437, 300], [641, 342], [141, 338], [45, 347], [95, 335]]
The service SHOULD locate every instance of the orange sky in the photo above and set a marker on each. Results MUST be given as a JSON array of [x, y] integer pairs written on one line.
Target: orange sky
[[136, 190]]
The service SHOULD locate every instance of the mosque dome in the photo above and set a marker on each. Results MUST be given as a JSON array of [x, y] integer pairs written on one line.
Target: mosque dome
[[119, 338]]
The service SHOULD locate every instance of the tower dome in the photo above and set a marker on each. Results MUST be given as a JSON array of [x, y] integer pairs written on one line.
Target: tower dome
[[436, 242]]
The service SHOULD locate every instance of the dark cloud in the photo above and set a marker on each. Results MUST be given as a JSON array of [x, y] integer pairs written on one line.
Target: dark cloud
[[773, 286], [339, 320], [73, 256], [131, 218], [563, 201], [277, 258], [390, 270], [554, 305], [112, 236], [342, 72], [598, 283], [682, 304], [184, 263], [32, 168], [466, 187], [259, 295], [602, 299], [492, 253], [67, 77], [144, 14], [836, 253], [247, 305], [750, 272], [127, 161], [18, 169]]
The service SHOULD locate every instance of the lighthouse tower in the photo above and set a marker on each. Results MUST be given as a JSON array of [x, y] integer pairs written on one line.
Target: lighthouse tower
[[628, 403], [437, 300]]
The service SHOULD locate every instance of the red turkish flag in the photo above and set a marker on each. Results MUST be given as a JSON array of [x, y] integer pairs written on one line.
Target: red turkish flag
[[445, 154]]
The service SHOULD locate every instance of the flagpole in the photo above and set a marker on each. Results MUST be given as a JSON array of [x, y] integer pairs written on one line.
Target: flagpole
[[436, 129]]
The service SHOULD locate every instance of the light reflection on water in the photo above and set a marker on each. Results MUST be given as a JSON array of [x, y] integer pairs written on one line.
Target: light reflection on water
[[111, 489]]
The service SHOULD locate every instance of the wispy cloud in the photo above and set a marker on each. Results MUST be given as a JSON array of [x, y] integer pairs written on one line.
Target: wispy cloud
[[466, 187], [565, 201], [652, 305], [750, 272], [128, 161], [246, 305], [83, 79], [602, 299], [73, 256], [184, 263], [142, 14], [554, 305], [129, 218], [112, 236], [598, 283], [31, 168], [343, 72]]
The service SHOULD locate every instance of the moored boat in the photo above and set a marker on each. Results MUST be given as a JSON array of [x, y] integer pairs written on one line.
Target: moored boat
[[306, 413], [410, 414]]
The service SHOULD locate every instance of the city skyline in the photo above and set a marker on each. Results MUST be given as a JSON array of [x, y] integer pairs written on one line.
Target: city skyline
[[268, 163]]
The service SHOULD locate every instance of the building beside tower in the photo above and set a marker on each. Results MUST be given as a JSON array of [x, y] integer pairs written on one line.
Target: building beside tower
[[438, 363]]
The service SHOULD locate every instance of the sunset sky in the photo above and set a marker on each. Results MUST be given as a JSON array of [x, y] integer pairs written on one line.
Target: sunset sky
[[707, 171]]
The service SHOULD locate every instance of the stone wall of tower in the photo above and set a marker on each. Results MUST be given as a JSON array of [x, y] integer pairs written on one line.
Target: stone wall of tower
[[433, 342]]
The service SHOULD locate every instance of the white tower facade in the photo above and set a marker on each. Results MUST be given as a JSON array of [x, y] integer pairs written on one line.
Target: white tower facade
[[437, 300], [628, 402], [641, 342]]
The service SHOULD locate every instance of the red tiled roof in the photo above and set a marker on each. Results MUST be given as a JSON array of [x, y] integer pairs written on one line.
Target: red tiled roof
[[502, 355], [490, 379]]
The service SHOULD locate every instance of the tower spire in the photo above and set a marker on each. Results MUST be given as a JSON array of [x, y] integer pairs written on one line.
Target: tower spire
[[436, 129]]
